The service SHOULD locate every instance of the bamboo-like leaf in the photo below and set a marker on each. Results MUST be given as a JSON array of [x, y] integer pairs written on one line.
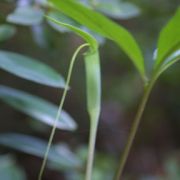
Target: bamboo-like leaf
[[36, 107], [105, 27], [59, 155], [169, 39], [30, 69]]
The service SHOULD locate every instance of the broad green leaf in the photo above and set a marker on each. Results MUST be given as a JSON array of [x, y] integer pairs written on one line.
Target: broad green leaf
[[117, 9], [30, 69], [103, 26], [9, 169], [59, 155], [26, 16], [169, 39], [36, 107], [6, 31]]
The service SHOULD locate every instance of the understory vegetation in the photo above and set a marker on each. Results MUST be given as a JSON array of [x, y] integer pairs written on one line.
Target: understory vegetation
[[89, 89]]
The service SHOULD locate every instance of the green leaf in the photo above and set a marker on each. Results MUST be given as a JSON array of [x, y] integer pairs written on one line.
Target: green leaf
[[169, 39], [59, 155], [36, 107], [9, 170], [26, 16], [105, 27], [30, 69], [6, 31]]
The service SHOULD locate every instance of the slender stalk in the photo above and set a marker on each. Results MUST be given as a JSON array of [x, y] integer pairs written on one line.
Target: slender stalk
[[59, 110], [134, 128], [92, 141], [93, 83]]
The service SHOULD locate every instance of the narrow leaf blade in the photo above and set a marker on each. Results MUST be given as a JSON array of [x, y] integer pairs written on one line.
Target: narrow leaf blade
[[36, 107], [30, 69]]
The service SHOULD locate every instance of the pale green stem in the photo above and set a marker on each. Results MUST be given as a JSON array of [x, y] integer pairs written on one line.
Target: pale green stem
[[93, 83], [134, 128], [59, 110], [92, 141]]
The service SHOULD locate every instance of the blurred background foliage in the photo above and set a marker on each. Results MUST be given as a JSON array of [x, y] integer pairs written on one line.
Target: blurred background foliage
[[156, 151]]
